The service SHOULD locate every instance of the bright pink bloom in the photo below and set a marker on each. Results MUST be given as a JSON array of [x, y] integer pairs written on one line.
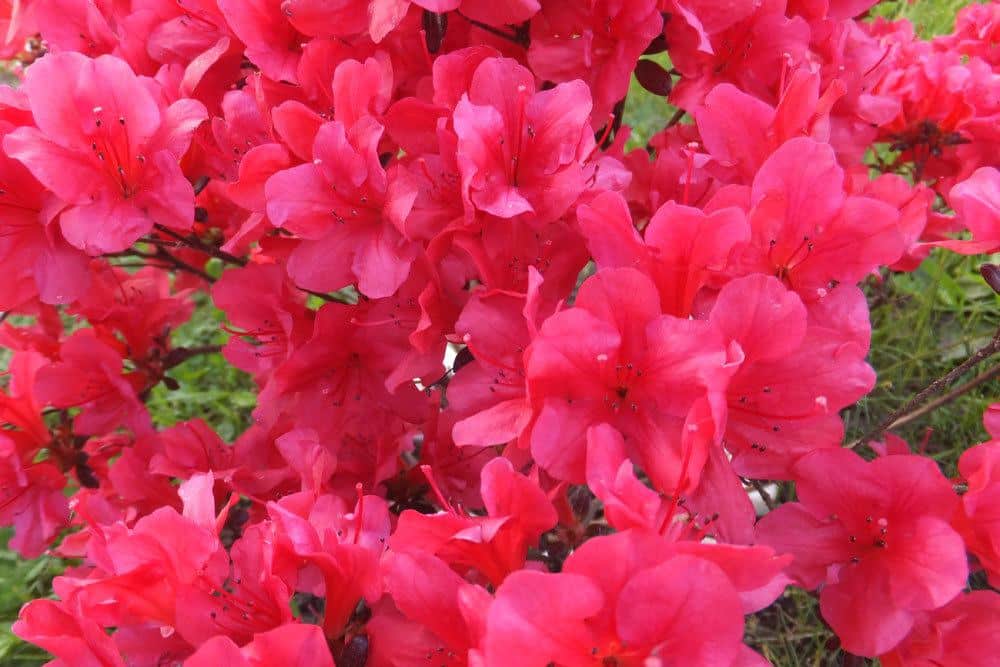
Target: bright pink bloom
[[597, 42], [806, 231], [341, 205], [774, 415], [521, 151], [488, 394], [979, 519], [976, 201], [31, 243], [31, 500], [108, 146], [615, 358], [517, 513], [140, 306], [322, 536], [436, 613], [90, 375], [876, 537], [268, 316], [961, 633], [77, 641], [619, 599], [291, 645], [682, 248]]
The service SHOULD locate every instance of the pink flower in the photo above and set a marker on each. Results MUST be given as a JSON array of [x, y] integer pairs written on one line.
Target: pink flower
[[806, 231], [290, 645], [597, 42], [976, 201], [615, 358], [960, 633], [340, 205], [875, 537], [89, 375], [108, 146], [517, 513], [31, 243], [774, 417], [521, 151], [979, 518], [619, 599], [31, 500], [75, 639]]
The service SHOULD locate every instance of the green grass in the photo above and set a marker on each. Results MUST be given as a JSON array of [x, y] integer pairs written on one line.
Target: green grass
[[20, 581], [929, 17]]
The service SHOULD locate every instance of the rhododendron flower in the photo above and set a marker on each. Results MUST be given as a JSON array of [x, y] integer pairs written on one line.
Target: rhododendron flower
[[875, 537], [517, 513], [73, 638], [960, 633], [806, 231], [604, 606], [682, 248], [615, 358], [89, 375], [108, 146], [340, 204], [976, 201], [520, 378], [979, 518], [774, 417], [521, 151], [31, 243], [597, 42], [291, 645], [343, 546], [31, 500]]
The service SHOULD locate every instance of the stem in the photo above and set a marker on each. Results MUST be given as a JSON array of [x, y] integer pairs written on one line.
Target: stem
[[764, 495], [503, 34], [676, 118], [198, 244], [909, 410], [184, 266], [179, 355], [325, 297], [960, 390]]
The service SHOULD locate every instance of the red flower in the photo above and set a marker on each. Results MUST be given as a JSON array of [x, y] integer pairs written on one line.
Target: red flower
[[979, 518], [521, 151], [517, 513], [108, 146], [619, 600], [290, 645], [615, 358], [963, 632], [89, 375], [340, 204], [876, 537]]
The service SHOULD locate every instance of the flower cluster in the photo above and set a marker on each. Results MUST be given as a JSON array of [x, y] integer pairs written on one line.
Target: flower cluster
[[515, 376]]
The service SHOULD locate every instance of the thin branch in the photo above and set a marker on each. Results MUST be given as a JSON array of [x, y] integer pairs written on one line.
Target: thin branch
[[326, 297], [132, 253], [503, 34], [764, 495], [676, 118], [935, 387], [960, 390], [198, 244], [182, 265], [179, 355]]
